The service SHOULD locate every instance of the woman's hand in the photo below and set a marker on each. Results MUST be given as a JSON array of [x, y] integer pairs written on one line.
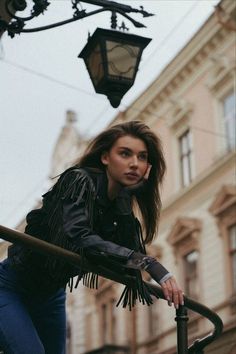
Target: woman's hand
[[162, 276], [145, 177], [172, 292], [138, 186]]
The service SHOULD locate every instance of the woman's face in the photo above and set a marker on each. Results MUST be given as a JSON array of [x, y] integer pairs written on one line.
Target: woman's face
[[126, 162]]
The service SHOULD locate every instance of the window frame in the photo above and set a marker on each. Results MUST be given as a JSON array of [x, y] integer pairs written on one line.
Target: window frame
[[223, 209], [221, 81], [186, 276], [184, 239], [105, 296], [228, 144], [187, 135], [232, 254]]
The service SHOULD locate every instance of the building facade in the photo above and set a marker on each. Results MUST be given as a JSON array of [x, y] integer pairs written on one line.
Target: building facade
[[191, 106]]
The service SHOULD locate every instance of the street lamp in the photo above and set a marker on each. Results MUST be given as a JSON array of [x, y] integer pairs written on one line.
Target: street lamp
[[112, 57]]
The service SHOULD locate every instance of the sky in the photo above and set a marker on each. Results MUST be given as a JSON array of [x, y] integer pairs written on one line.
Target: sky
[[41, 77]]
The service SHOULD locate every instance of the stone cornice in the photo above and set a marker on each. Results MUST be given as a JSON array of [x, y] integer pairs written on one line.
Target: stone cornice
[[222, 68], [190, 58], [180, 110], [199, 182], [183, 228], [225, 198]]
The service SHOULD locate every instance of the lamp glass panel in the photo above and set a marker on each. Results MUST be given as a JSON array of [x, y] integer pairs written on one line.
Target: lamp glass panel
[[122, 58], [95, 65]]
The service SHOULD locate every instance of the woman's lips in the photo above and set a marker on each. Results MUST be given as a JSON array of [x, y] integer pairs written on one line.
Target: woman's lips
[[132, 175]]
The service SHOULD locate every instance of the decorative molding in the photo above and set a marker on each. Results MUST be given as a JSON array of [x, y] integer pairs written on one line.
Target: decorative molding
[[185, 228], [185, 67], [201, 183], [224, 200], [224, 209], [222, 69], [179, 112], [165, 85]]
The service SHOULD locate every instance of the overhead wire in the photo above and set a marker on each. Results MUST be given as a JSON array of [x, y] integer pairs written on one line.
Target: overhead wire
[[73, 87], [164, 120], [51, 78]]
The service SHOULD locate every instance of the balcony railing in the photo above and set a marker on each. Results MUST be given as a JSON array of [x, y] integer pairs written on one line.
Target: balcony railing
[[110, 349], [181, 314]]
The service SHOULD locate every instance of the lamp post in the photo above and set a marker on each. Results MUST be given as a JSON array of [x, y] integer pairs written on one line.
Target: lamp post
[[112, 59], [111, 56]]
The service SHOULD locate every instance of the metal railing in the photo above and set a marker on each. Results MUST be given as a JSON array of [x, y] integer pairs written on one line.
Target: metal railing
[[181, 314], [110, 349]]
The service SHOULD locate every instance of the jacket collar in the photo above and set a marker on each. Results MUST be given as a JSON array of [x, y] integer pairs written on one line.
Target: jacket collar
[[101, 183]]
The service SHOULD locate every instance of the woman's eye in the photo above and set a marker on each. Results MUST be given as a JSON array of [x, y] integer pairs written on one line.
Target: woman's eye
[[124, 153], [143, 157]]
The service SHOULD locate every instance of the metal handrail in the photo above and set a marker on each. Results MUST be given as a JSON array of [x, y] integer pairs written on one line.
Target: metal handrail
[[197, 347]]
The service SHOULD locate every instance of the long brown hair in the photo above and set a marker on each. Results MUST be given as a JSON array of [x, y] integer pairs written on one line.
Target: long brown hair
[[148, 200]]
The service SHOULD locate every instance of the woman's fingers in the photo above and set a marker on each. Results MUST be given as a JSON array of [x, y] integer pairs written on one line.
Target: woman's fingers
[[166, 292], [145, 177], [172, 292]]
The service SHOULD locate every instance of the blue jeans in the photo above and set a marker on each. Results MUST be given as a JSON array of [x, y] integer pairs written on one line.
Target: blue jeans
[[29, 324]]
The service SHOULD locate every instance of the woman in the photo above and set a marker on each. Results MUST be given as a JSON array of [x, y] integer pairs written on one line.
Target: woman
[[90, 210]]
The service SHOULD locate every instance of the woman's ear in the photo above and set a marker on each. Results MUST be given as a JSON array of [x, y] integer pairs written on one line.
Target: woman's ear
[[104, 158]]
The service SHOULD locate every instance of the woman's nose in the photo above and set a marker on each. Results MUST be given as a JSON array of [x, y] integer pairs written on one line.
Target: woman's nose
[[134, 161]]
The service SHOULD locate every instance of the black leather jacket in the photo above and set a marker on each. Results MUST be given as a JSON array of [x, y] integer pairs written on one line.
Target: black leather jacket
[[77, 215]]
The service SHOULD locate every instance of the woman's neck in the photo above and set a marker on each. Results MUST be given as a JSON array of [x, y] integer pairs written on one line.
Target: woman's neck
[[113, 188]]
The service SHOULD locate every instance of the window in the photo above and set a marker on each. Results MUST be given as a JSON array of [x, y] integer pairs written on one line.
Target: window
[[229, 117], [221, 82], [178, 119], [190, 270], [185, 148], [184, 238], [108, 321], [232, 253], [224, 210], [153, 318], [105, 301]]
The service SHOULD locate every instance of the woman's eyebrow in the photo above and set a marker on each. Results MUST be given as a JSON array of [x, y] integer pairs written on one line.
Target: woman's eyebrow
[[126, 148]]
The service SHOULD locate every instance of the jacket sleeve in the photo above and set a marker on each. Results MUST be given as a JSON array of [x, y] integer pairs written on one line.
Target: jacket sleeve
[[77, 204]]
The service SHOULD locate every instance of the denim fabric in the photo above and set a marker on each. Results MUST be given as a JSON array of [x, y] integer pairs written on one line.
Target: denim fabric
[[29, 324]]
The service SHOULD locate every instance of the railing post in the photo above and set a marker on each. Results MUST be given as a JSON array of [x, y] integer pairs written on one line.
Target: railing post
[[181, 314], [182, 330], [198, 350]]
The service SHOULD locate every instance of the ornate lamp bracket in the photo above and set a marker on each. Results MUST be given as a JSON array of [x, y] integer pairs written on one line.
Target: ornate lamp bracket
[[17, 24]]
